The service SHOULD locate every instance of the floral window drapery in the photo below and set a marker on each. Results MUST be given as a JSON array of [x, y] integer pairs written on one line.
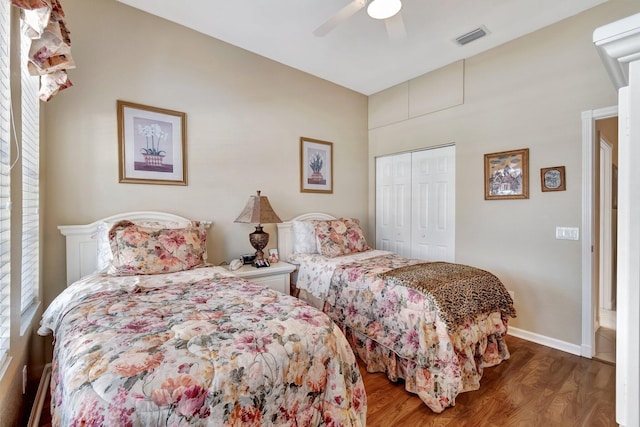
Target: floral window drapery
[[44, 23]]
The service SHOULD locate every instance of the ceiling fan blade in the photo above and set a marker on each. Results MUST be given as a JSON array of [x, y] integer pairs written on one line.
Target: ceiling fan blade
[[395, 27], [343, 14]]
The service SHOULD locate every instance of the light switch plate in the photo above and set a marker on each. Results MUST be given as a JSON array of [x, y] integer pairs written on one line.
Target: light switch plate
[[567, 233]]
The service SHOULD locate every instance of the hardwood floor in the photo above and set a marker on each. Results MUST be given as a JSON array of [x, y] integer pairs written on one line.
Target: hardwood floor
[[537, 386]]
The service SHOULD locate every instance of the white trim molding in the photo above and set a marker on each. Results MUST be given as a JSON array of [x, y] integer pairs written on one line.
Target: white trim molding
[[588, 226], [557, 344], [619, 46]]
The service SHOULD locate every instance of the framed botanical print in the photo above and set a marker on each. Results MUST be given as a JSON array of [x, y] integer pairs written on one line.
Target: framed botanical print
[[316, 166], [152, 145], [506, 175]]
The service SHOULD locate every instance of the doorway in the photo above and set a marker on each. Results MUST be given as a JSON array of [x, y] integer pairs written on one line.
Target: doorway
[[605, 322], [599, 257]]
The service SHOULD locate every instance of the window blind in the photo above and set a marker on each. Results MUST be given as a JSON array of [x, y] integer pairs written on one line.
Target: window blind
[[30, 181], [5, 242]]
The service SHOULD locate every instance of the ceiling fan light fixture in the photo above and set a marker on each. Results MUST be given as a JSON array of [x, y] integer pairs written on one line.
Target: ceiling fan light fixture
[[383, 9]]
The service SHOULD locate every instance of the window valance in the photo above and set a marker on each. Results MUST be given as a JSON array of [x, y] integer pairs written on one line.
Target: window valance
[[43, 21]]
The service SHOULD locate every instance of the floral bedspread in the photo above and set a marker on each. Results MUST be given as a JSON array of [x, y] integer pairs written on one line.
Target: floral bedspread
[[315, 271], [197, 348], [397, 330]]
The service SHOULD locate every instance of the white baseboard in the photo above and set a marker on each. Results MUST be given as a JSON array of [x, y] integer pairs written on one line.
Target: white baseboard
[[36, 410], [546, 341]]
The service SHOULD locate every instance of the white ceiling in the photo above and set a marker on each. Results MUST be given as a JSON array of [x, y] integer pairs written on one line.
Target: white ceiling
[[358, 54]]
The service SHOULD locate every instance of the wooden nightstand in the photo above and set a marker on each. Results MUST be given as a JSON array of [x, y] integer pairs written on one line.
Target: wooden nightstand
[[277, 276]]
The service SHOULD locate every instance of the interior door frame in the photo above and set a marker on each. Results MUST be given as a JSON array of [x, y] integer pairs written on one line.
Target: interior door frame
[[589, 278], [605, 251]]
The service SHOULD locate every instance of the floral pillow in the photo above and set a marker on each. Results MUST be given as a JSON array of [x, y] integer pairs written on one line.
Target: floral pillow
[[339, 237], [145, 250], [105, 255]]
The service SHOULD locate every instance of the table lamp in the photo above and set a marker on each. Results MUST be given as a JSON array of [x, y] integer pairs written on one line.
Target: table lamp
[[258, 211]]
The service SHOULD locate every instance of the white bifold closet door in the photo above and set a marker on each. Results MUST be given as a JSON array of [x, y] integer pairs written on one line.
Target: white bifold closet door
[[415, 204], [393, 204]]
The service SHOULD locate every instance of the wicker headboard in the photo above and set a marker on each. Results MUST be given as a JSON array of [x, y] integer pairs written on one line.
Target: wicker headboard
[[82, 245], [285, 232]]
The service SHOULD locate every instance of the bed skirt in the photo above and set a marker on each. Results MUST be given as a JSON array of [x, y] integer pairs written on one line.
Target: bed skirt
[[436, 385]]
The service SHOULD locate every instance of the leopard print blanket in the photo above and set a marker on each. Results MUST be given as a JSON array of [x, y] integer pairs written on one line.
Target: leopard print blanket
[[458, 291]]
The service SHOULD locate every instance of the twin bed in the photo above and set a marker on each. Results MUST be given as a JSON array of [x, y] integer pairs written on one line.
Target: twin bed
[[435, 325], [158, 337], [191, 345]]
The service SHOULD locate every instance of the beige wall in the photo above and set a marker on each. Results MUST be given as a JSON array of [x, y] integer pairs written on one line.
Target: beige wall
[[528, 93], [245, 116]]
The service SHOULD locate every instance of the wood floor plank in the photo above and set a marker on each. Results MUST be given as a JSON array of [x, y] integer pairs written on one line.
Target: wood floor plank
[[537, 386]]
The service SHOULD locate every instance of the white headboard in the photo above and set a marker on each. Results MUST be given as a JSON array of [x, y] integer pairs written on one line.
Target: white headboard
[[82, 245], [285, 232]]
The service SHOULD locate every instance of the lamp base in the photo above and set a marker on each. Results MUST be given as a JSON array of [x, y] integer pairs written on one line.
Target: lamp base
[[259, 240]]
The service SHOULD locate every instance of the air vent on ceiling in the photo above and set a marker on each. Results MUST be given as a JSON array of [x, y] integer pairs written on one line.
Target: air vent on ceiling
[[472, 35]]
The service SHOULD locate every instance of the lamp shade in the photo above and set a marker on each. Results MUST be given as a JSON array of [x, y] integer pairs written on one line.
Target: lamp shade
[[383, 9], [258, 211]]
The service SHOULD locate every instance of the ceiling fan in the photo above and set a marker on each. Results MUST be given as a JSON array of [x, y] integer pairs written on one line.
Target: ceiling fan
[[387, 10]]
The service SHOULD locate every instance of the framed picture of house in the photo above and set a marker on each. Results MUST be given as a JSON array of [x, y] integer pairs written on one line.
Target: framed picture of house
[[553, 179], [316, 166], [151, 145], [506, 175]]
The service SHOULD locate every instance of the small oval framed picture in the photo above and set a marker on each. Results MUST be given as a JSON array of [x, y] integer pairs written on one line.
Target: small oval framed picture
[[553, 179]]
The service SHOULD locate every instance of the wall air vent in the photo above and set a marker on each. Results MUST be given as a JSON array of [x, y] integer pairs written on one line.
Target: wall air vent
[[472, 35]]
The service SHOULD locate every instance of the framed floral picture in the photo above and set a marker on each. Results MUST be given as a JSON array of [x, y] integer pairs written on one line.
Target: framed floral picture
[[506, 175], [552, 179], [316, 166], [151, 145]]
